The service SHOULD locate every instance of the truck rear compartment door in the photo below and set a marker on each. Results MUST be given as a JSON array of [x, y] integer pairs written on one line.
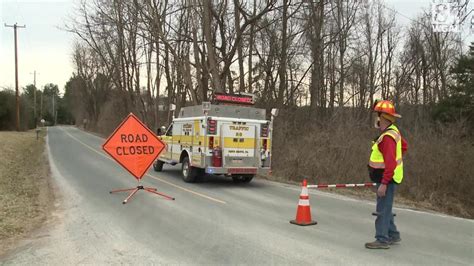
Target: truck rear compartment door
[[239, 145]]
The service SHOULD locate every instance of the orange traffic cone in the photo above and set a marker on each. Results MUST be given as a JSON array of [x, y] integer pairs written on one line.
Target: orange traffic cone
[[303, 214]]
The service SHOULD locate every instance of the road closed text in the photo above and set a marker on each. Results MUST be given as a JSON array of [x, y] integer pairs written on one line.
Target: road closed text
[[137, 147]]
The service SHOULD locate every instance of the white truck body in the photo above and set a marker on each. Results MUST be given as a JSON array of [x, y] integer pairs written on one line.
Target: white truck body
[[241, 135]]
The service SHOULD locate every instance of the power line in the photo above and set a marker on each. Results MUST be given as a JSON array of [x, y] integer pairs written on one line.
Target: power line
[[461, 40], [401, 14]]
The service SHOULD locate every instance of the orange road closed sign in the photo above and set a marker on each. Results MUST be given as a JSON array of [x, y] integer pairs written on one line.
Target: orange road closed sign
[[134, 146]]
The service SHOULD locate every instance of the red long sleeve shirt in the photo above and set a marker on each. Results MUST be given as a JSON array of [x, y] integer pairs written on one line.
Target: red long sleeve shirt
[[388, 148]]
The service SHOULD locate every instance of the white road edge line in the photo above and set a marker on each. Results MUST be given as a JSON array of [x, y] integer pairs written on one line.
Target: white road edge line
[[151, 176]]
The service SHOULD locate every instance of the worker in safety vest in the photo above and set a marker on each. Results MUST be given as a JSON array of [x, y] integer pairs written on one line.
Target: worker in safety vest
[[386, 169]]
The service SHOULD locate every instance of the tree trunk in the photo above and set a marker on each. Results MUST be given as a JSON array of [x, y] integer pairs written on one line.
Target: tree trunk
[[213, 66]]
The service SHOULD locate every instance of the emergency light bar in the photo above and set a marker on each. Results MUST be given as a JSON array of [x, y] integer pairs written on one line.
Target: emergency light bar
[[233, 99]]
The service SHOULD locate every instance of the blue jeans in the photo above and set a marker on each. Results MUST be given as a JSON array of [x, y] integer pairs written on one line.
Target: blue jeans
[[385, 228]]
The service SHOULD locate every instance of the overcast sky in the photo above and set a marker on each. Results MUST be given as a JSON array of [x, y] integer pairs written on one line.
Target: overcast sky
[[44, 47]]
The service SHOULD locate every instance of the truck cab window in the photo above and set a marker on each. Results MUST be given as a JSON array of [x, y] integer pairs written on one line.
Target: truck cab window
[[169, 132]]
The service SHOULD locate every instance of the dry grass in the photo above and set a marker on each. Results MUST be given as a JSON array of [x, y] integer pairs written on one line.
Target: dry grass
[[438, 166], [25, 192]]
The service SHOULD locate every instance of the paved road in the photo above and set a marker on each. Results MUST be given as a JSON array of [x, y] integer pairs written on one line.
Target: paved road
[[216, 221]]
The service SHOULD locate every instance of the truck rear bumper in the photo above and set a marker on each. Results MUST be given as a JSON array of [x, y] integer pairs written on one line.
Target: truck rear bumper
[[237, 170]]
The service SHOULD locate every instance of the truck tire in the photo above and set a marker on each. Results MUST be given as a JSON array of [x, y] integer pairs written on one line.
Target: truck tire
[[201, 173], [158, 166], [189, 173], [242, 178]]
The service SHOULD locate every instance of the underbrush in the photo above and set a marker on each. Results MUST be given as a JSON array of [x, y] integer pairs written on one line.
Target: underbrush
[[438, 166]]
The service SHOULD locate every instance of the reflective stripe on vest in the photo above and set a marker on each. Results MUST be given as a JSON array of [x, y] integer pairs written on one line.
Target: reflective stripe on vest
[[376, 157], [382, 164], [392, 133]]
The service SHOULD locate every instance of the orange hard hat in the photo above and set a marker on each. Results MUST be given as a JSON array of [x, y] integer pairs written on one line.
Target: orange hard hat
[[386, 107]]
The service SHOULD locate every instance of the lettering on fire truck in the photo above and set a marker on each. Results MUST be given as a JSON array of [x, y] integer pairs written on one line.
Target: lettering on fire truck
[[239, 128]]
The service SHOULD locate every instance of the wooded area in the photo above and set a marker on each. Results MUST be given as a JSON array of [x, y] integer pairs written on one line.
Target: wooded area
[[49, 106], [141, 55]]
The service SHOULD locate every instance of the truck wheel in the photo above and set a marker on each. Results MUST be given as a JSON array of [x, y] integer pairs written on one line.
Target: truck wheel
[[247, 178], [242, 178], [158, 166], [189, 173]]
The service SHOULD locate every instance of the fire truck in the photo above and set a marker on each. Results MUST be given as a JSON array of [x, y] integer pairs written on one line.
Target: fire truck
[[227, 136]]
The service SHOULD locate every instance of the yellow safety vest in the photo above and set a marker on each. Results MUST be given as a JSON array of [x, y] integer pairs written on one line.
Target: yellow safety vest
[[376, 158]]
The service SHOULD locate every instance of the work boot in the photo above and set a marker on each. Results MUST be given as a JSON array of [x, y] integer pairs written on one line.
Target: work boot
[[377, 245], [394, 241]]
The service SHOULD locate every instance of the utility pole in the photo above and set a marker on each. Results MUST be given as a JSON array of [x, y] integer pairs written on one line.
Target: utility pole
[[54, 117], [15, 26], [41, 104], [34, 98]]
